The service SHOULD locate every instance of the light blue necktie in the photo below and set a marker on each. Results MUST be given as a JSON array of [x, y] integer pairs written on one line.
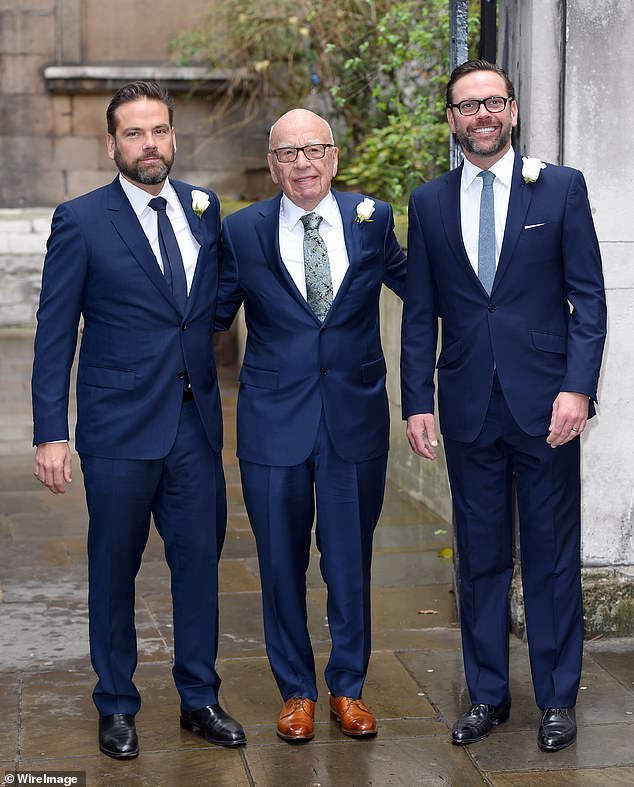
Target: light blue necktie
[[486, 239], [316, 267]]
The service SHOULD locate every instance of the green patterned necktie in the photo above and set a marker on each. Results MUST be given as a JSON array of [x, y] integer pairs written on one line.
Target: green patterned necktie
[[316, 267]]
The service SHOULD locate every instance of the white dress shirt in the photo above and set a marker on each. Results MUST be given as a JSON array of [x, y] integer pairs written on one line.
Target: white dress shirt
[[470, 191], [291, 235], [148, 218]]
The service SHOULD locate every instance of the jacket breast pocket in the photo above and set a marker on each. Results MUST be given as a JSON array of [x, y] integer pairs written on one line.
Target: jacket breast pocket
[[259, 378], [106, 377]]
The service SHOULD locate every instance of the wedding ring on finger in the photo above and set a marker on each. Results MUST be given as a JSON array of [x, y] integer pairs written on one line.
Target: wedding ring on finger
[[573, 429]]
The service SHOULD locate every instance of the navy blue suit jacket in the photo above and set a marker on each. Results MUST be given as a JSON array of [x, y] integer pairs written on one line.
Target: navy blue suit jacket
[[135, 344], [543, 325], [293, 365]]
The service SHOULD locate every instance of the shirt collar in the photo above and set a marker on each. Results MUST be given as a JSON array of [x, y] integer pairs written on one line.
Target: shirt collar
[[139, 198], [502, 169], [290, 213]]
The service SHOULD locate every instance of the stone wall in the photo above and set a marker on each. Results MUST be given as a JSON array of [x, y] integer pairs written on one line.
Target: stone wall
[[23, 235], [52, 129], [572, 62]]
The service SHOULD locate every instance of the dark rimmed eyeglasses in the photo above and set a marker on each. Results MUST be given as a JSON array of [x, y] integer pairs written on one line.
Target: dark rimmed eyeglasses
[[471, 106], [311, 152]]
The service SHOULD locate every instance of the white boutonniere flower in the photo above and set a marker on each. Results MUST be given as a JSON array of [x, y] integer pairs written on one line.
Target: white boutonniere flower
[[531, 169], [200, 202], [364, 210]]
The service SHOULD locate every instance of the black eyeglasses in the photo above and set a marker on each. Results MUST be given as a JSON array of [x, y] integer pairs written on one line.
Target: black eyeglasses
[[471, 106], [312, 152]]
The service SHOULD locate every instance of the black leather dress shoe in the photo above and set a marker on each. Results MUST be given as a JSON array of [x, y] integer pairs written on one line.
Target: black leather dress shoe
[[117, 736], [557, 729], [476, 723], [214, 725]]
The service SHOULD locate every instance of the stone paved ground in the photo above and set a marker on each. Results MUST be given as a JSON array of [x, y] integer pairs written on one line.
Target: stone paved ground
[[415, 684]]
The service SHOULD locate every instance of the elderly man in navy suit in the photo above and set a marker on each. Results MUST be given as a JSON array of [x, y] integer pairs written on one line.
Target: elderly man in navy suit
[[138, 260], [505, 254], [312, 408]]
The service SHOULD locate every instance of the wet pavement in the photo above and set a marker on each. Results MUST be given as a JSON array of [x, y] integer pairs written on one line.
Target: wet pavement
[[415, 685]]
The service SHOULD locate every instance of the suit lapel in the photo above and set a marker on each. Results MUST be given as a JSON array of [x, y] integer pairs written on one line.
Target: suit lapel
[[129, 229], [267, 230], [353, 234], [197, 226], [519, 200], [449, 204]]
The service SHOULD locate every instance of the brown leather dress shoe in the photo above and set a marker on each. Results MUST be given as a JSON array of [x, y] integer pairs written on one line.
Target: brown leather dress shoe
[[354, 716], [296, 721]]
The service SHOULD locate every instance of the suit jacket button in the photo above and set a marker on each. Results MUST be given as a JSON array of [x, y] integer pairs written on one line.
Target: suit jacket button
[[492, 307], [184, 326], [180, 375], [323, 370]]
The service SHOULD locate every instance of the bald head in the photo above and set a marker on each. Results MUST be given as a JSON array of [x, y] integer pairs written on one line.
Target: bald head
[[298, 118], [305, 181]]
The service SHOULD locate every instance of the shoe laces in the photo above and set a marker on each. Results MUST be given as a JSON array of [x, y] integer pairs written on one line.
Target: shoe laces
[[299, 703]]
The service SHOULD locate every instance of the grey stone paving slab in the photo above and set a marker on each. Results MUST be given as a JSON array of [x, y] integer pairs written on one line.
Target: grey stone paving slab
[[426, 606], [603, 699], [36, 634], [239, 543], [405, 569], [12, 502], [576, 777], [173, 768], [616, 658], [237, 576], [400, 508], [241, 627], [411, 536], [420, 762], [391, 691], [597, 746]]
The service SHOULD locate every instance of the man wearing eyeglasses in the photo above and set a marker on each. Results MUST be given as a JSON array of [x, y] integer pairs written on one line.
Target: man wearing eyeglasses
[[506, 255], [312, 408]]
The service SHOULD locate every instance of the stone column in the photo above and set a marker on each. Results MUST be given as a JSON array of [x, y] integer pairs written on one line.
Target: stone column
[[571, 64]]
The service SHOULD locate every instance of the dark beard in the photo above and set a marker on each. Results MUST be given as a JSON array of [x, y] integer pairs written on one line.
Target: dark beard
[[471, 145], [145, 175]]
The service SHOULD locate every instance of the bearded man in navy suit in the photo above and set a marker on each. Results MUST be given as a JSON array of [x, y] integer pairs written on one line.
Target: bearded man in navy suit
[[312, 408], [138, 260], [506, 255]]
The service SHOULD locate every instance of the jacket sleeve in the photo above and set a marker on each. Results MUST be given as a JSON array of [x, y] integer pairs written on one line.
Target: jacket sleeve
[[583, 280], [420, 323], [63, 280]]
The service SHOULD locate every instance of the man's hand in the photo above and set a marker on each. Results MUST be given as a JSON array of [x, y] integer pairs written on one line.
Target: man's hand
[[421, 433], [570, 413], [52, 466]]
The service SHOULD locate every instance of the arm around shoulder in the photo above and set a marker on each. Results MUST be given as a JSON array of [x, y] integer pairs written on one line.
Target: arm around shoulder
[[395, 260], [230, 295]]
